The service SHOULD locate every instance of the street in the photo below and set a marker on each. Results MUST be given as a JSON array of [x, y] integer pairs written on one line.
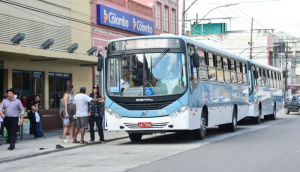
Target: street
[[269, 146]]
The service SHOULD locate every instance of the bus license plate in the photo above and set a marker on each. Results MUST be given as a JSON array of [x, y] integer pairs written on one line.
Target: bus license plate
[[145, 124]]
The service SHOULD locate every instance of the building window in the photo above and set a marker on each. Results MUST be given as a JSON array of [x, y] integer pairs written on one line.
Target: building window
[[28, 83], [158, 16], [166, 18], [173, 20], [58, 83]]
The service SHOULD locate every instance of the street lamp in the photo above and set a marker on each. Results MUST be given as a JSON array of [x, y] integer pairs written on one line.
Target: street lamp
[[208, 13]]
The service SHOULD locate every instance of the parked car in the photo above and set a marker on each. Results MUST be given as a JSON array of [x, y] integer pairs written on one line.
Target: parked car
[[292, 104]]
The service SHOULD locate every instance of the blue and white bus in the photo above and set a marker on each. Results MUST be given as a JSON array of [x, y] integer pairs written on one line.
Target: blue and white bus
[[167, 83], [266, 96]]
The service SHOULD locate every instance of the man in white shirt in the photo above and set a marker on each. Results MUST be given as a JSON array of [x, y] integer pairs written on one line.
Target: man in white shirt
[[81, 101], [124, 81]]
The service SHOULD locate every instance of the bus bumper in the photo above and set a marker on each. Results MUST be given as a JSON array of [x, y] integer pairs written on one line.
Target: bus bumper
[[185, 121]]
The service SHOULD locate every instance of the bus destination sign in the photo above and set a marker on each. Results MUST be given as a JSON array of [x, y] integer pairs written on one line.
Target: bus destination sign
[[145, 44]]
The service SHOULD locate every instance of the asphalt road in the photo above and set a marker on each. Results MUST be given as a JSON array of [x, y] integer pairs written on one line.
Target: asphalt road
[[269, 146]]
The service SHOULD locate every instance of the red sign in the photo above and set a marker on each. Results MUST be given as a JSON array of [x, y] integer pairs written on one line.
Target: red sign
[[145, 124], [68, 82], [292, 87]]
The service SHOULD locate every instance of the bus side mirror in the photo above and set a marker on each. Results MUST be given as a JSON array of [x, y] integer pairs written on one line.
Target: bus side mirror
[[255, 72], [196, 60], [100, 64]]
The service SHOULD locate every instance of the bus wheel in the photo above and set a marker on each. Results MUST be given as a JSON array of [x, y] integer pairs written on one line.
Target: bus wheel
[[232, 126], [256, 120], [199, 134], [273, 116], [135, 137]]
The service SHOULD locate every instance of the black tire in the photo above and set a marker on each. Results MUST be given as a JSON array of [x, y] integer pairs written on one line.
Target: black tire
[[286, 110], [273, 116], [135, 137], [222, 128], [231, 127], [199, 134], [256, 120]]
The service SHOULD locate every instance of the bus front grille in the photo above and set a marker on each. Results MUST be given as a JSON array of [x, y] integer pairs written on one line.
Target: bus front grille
[[145, 105], [154, 125]]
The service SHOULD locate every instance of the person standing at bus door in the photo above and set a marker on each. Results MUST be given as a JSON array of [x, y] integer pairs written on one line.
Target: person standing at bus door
[[80, 105], [68, 112], [95, 115], [12, 106], [31, 109]]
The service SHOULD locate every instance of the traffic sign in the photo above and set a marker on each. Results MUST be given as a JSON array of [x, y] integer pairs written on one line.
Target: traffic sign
[[292, 87]]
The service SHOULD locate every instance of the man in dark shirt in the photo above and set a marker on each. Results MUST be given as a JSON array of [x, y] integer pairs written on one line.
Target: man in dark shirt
[[96, 115]]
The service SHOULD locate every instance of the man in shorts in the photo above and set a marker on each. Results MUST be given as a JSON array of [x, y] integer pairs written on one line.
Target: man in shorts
[[81, 101]]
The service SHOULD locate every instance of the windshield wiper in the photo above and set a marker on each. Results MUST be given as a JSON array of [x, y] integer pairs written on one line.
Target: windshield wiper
[[128, 59], [162, 54]]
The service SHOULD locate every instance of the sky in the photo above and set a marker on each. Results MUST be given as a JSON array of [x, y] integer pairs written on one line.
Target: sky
[[281, 15]]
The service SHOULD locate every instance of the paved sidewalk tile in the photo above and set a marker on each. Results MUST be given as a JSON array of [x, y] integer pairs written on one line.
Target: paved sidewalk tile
[[31, 146]]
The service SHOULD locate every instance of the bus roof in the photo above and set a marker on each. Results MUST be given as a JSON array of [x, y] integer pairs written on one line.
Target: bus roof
[[201, 45], [266, 66], [186, 39]]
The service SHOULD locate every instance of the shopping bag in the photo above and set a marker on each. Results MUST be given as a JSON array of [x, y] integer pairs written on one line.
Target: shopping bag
[[5, 134], [66, 122], [37, 117]]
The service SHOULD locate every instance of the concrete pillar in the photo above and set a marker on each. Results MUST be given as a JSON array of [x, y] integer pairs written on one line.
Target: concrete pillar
[[10, 79], [46, 91]]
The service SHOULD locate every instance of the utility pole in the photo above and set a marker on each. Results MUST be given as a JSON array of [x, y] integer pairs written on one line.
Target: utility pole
[[183, 18], [251, 38], [286, 70]]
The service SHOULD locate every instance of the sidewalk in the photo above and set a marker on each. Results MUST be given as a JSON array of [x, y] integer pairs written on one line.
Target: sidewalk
[[29, 146]]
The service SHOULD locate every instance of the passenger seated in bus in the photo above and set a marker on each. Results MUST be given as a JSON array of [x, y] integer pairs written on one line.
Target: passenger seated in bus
[[124, 82]]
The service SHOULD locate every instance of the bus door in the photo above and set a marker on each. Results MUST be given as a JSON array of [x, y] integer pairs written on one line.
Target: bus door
[[250, 82]]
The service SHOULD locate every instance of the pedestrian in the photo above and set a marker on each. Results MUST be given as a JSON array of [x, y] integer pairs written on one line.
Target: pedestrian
[[12, 106], [38, 105], [0, 124], [24, 101], [81, 101], [31, 109], [95, 115], [68, 113]]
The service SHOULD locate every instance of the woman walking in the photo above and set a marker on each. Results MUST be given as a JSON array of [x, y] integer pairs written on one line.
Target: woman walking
[[31, 109], [68, 113]]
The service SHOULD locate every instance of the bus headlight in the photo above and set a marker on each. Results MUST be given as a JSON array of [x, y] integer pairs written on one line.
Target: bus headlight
[[113, 113], [179, 111]]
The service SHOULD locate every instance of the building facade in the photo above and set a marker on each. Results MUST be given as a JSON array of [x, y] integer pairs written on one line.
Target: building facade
[[112, 19], [31, 70]]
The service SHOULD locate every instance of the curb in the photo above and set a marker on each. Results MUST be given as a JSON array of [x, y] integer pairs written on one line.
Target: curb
[[53, 150]]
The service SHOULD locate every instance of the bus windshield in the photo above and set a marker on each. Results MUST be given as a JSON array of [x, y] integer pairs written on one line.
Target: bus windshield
[[146, 74]]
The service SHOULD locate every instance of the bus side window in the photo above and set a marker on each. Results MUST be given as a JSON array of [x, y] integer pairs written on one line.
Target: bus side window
[[271, 78], [244, 74], [212, 74], [254, 80], [233, 72], [260, 77], [220, 73], [203, 74], [226, 70], [267, 78], [274, 79], [239, 72], [279, 82]]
